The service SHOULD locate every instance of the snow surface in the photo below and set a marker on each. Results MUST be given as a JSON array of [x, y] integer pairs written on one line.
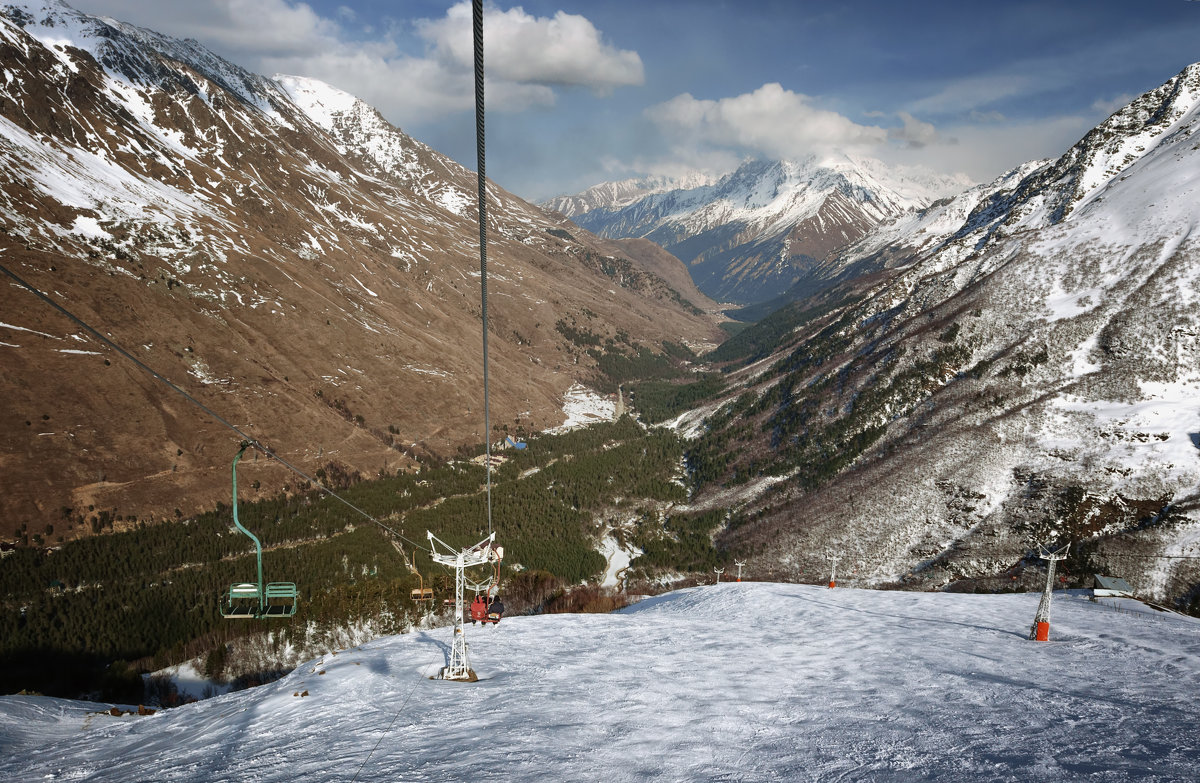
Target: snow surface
[[582, 407], [191, 683], [738, 681], [616, 560], [323, 103]]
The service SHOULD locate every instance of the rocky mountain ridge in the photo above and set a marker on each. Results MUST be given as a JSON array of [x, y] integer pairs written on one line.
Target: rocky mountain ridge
[[760, 230], [1024, 373]]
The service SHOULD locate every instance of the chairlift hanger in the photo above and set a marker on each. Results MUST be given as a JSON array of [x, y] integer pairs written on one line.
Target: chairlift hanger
[[255, 600]]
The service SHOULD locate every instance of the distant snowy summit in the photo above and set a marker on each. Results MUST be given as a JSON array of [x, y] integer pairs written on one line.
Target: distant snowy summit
[[622, 193], [751, 235], [362, 133]]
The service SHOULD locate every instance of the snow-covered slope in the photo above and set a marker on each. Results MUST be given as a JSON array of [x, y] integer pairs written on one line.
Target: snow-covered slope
[[740, 681], [757, 231], [622, 193], [1028, 371], [1158, 125]]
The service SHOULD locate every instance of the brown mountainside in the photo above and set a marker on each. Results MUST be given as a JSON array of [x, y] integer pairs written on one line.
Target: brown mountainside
[[281, 253]]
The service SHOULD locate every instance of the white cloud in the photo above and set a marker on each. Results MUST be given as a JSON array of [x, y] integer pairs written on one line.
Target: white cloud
[[986, 117], [563, 50], [913, 133], [715, 135], [974, 92], [527, 57], [243, 30], [985, 150], [771, 121]]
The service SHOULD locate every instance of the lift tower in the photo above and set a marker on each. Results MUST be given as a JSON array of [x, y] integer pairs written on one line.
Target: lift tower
[[483, 553], [1041, 622]]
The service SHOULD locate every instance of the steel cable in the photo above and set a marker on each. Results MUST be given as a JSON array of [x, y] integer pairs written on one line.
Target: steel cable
[[481, 165]]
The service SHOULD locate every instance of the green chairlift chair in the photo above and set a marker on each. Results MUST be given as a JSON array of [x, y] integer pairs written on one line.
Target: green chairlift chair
[[254, 600]]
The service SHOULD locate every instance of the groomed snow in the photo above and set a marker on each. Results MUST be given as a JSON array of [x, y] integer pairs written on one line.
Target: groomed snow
[[739, 681]]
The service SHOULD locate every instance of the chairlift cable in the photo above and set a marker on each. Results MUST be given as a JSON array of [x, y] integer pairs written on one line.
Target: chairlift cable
[[481, 165], [254, 443], [388, 730]]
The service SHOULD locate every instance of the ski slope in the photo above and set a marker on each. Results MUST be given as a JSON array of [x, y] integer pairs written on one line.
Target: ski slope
[[737, 681]]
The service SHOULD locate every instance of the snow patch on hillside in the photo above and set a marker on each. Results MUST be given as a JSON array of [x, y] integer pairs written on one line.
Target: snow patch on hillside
[[617, 559], [582, 407]]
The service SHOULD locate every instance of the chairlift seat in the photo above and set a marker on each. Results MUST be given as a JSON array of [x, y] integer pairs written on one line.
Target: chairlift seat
[[243, 590], [242, 601], [281, 590], [280, 599], [253, 599]]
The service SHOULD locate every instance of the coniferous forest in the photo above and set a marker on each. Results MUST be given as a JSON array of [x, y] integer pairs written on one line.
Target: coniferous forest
[[88, 617]]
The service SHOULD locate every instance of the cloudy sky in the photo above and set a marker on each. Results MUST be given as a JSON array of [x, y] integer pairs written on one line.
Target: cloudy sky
[[583, 92]]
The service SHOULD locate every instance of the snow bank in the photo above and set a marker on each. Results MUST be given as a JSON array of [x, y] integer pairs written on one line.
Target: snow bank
[[582, 407]]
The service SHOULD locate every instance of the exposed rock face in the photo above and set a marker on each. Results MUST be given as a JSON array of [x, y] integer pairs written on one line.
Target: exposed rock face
[[280, 252]]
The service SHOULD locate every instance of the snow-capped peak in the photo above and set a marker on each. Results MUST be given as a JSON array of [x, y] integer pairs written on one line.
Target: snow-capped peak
[[769, 220], [321, 102], [622, 193]]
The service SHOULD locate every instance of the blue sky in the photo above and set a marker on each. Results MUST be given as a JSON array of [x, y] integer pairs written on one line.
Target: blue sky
[[584, 92]]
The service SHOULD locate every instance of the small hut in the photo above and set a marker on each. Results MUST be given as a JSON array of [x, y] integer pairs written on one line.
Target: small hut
[[1110, 587]]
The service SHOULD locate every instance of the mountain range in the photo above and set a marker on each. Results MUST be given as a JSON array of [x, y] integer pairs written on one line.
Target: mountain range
[[953, 379], [1019, 368], [758, 233], [283, 254]]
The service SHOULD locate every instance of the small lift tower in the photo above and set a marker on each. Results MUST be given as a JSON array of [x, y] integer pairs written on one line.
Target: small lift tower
[[1041, 622]]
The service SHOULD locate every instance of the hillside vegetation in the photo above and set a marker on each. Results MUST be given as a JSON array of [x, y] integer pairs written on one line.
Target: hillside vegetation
[[148, 597]]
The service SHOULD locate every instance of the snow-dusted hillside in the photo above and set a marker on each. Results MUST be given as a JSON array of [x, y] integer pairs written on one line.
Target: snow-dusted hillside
[[741, 681], [757, 231], [1027, 373], [617, 195]]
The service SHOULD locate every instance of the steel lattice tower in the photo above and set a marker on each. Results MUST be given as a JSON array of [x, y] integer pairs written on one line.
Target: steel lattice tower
[[1041, 622], [459, 665]]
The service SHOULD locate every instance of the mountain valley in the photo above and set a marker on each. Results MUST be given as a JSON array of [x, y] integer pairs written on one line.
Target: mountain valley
[[933, 381]]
